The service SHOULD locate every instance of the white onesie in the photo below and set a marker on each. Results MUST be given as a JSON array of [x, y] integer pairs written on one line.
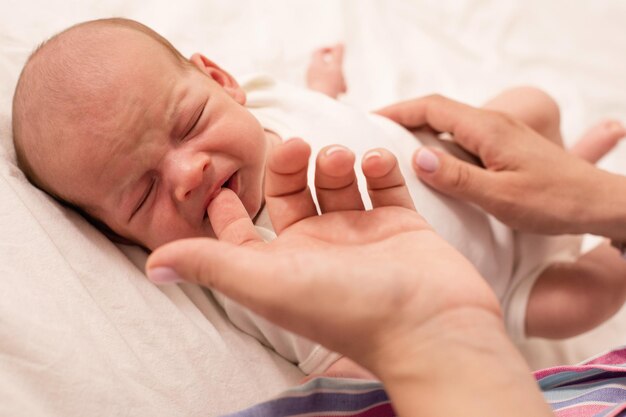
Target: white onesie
[[510, 261]]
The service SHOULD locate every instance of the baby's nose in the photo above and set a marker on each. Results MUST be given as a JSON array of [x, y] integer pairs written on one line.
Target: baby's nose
[[189, 174]]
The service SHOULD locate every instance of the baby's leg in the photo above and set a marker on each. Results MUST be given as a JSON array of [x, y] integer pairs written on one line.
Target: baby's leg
[[539, 111], [533, 107], [570, 298], [325, 72]]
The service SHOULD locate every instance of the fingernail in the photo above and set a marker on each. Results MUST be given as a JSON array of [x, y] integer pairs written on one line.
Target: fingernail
[[163, 275], [334, 149], [426, 160], [372, 154]]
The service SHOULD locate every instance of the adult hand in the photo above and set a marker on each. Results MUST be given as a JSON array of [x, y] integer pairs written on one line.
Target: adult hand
[[320, 267], [528, 182], [379, 286]]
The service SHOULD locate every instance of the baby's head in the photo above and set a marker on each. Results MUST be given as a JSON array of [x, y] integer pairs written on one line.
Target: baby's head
[[110, 118]]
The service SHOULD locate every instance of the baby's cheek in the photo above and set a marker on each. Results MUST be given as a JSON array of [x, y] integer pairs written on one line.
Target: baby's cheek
[[164, 228]]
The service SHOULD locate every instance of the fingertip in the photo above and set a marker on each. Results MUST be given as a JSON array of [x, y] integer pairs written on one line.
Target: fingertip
[[335, 180], [169, 263], [385, 182], [374, 153], [335, 161], [377, 163], [163, 275], [289, 156], [287, 196], [293, 139], [426, 161], [204, 261], [160, 257]]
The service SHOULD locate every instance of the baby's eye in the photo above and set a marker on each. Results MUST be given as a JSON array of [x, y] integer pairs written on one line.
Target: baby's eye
[[195, 123], [145, 197]]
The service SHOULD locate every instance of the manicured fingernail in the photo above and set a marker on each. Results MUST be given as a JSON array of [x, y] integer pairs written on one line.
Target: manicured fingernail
[[163, 275], [334, 149], [426, 160], [372, 154]]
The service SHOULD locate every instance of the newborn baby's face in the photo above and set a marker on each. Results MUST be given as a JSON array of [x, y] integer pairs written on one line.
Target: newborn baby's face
[[178, 136], [195, 137]]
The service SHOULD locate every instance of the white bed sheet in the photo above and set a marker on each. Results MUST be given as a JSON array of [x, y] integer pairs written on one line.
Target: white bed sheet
[[81, 331]]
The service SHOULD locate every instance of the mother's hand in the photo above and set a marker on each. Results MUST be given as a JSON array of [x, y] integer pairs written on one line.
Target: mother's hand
[[378, 286], [340, 278], [529, 183]]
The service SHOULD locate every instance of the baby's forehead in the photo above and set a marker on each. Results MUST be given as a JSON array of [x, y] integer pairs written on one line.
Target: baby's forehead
[[97, 54], [90, 86], [101, 70]]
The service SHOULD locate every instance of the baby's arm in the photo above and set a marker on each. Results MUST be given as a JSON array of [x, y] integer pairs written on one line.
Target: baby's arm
[[325, 72], [570, 298]]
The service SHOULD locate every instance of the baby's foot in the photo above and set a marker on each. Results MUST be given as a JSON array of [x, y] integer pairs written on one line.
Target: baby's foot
[[599, 140], [325, 72]]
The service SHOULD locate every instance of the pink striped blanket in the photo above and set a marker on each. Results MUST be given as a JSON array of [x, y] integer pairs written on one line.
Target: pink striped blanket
[[596, 387]]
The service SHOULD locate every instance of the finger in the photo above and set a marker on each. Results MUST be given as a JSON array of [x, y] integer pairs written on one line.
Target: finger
[[472, 128], [335, 180], [204, 261], [385, 182], [287, 193], [454, 177], [230, 220]]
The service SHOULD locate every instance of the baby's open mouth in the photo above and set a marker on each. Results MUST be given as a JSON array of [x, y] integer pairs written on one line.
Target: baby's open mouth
[[230, 182]]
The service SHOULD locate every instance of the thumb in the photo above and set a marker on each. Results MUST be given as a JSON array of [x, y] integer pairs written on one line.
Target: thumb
[[241, 273], [208, 262], [248, 275], [451, 176]]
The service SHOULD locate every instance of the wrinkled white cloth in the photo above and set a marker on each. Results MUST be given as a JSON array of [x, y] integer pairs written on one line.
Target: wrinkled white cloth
[[83, 332]]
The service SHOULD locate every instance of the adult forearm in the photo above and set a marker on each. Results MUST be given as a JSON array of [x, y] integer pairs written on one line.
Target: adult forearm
[[468, 367]]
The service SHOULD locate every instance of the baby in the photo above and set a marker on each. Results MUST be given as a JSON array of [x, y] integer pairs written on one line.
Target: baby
[[111, 119]]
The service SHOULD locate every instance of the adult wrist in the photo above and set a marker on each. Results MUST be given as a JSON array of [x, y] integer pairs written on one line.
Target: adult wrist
[[603, 213], [461, 363]]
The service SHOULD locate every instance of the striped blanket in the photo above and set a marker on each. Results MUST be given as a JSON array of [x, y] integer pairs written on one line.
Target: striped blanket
[[596, 387]]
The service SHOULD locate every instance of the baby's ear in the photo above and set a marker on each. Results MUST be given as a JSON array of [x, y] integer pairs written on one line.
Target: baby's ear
[[223, 78]]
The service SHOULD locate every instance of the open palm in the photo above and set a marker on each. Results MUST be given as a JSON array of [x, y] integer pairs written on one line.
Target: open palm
[[341, 277]]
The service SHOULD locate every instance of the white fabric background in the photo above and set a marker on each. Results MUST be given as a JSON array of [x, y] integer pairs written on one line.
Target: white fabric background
[[395, 49]]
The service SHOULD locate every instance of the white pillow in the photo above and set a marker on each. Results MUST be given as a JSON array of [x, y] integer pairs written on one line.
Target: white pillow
[[84, 333]]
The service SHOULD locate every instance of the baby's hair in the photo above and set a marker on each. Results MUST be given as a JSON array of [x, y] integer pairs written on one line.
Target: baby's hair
[[31, 74], [34, 87]]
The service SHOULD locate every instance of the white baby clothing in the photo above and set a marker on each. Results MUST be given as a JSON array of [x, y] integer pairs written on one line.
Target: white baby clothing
[[510, 261]]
